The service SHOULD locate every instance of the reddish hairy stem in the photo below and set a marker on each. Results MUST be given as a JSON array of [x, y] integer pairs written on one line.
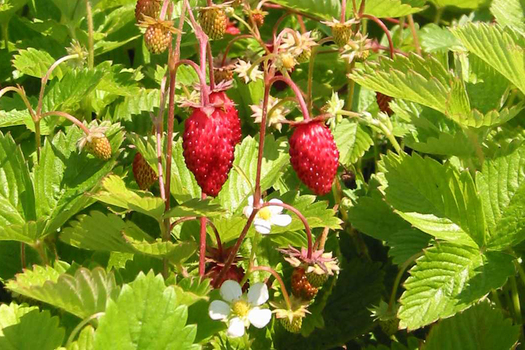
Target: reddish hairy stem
[[301, 217], [385, 29], [277, 24], [396, 21], [212, 225], [210, 66], [262, 135], [202, 79], [301, 23], [68, 117], [297, 91], [236, 247], [164, 9], [279, 279], [229, 46], [343, 11]]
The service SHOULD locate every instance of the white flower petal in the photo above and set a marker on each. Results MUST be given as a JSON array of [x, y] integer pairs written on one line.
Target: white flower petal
[[259, 317], [231, 290], [262, 226], [275, 209], [247, 211], [281, 220], [218, 310], [258, 294], [250, 201], [235, 328]]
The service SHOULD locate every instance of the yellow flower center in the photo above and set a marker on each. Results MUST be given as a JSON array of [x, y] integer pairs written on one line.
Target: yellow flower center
[[265, 213], [241, 308]]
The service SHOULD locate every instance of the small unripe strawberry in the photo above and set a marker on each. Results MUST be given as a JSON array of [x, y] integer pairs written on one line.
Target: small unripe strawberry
[[213, 21], [258, 17], [314, 156], [157, 38], [304, 56], [208, 148], [389, 326], [315, 279], [341, 34], [301, 288], [294, 326], [99, 147], [144, 174], [150, 8], [383, 102]]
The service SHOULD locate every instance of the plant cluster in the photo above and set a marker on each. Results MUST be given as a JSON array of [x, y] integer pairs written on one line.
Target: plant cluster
[[183, 174]]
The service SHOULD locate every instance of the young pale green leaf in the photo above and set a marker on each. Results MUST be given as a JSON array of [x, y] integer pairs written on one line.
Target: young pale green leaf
[[386, 8], [83, 294], [146, 315], [438, 39], [448, 279], [372, 216], [242, 176], [64, 176], [85, 341], [423, 80], [35, 63], [101, 232], [501, 48], [17, 199], [25, 327], [435, 198], [482, 327], [352, 141], [502, 189], [114, 192], [510, 13]]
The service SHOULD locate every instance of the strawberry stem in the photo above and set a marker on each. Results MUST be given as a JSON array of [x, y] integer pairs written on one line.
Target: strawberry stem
[[300, 216], [230, 44], [296, 90], [279, 279], [68, 117], [343, 11], [385, 29]]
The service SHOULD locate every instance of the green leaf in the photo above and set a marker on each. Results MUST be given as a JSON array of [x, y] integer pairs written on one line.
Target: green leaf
[[190, 290], [237, 189], [481, 327], [101, 232], [509, 13], [36, 63], [67, 93], [438, 39], [183, 184], [448, 279], [114, 192], [176, 252], [386, 8], [374, 217], [352, 141], [423, 80], [501, 48], [195, 207], [435, 198], [146, 315], [85, 341], [326, 9], [26, 328], [83, 294], [64, 176], [466, 4], [17, 199], [502, 190]]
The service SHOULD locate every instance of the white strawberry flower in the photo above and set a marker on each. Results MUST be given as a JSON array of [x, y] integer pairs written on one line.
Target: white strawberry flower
[[267, 216], [276, 118], [241, 310], [243, 69]]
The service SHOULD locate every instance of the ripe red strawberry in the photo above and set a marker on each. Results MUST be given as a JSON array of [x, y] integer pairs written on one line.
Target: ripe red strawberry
[[301, 288], [235, 273], [230, 113], [314, 156], [157, 38], [294, 326], [150, 8], [384, 103], [213, 21], [144, 174], [208, 148]]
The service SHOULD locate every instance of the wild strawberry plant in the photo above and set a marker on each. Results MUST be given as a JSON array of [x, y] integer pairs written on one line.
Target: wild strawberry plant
[[285, 174]]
